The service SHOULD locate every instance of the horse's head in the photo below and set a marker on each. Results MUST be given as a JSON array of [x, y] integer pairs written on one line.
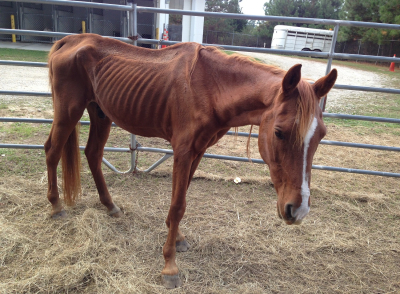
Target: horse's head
[[288, 138]]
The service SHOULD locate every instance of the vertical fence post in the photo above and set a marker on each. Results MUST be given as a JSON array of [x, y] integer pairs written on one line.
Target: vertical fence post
[[133, 22], [133, 30], [90, 10], [322, 103]]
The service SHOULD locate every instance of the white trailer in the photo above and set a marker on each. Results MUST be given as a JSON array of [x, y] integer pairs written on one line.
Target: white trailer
[[301, 39]]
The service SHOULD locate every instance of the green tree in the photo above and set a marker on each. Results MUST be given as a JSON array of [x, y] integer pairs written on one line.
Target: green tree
[[223, 24], [381, 11], [389, 11], [304, 8], [328, 9]]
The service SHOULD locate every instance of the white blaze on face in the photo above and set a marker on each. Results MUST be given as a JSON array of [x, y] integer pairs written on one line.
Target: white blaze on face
[[303, 210]]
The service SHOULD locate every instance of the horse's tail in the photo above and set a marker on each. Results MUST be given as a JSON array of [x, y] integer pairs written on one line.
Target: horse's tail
[[70, 156], [71, 163]]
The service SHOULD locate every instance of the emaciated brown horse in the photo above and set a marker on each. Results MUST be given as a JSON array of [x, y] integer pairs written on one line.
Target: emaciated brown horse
[[191, 96]]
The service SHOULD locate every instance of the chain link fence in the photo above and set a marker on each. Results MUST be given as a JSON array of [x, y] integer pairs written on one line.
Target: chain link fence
[[8, 8], [387, 48], [37, 17], [235, 39], [68, 19]]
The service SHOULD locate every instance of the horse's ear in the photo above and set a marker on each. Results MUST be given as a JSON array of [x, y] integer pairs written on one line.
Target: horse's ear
[[291, 79], [325, 84]]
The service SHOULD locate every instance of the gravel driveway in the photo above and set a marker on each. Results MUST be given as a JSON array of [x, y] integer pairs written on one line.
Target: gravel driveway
[[315, 69]]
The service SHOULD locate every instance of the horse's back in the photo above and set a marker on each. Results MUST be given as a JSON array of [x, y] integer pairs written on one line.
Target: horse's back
[[145, 91]]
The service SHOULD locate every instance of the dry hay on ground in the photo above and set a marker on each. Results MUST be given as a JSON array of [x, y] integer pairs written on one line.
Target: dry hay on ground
[[349, 243]]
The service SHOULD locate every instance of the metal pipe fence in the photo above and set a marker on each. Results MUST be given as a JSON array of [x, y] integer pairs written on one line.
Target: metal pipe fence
[[133, 11]]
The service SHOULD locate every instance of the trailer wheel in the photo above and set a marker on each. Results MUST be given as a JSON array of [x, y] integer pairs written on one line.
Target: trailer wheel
[[306, 49], [316, 50]]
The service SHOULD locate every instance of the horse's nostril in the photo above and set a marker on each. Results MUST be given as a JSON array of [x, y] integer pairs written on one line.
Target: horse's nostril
[[289, 211]]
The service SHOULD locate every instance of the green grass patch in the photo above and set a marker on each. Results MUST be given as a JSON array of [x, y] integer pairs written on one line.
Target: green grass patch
[[22, 129], [377, 127], [23, 55], [251, 58], [384, 105]]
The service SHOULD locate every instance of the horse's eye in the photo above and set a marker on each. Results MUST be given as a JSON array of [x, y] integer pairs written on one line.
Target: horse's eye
[[279, 134]]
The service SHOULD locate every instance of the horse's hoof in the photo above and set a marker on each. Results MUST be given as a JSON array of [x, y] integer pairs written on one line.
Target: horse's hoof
[[171, 282], [58, 215], [115, 212], [182, 246]]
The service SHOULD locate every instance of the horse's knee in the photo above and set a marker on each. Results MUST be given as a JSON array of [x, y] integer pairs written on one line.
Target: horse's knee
[[176, 212], [52, 158], [92, 155], [47, 145]]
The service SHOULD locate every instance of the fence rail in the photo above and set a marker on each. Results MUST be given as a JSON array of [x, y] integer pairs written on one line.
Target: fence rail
[[133, 10]]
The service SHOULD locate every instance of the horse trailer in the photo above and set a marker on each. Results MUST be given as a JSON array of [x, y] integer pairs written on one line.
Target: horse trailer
[[301, 39]]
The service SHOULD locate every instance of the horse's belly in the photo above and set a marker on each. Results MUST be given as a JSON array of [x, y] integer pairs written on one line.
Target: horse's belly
[[141, 97], [136, 118]]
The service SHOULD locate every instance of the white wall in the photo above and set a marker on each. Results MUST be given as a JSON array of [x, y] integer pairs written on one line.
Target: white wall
[[162, 18], [197, 22], [192, 26]]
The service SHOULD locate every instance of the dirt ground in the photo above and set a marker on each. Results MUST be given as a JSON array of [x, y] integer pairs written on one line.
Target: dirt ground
[[349, 243]]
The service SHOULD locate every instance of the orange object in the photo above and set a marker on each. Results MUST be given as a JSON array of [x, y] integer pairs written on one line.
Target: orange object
[[391, 68], [165, 37]]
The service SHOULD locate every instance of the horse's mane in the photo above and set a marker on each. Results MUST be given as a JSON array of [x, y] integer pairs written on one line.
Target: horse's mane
[[239, 59], [305, 110]]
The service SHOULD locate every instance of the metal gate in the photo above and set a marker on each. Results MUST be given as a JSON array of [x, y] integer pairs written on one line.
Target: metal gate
[[133, 10]]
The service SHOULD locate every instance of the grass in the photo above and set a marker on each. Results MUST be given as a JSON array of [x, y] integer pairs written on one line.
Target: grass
[[23, 55], [382, 68], [233, 52]]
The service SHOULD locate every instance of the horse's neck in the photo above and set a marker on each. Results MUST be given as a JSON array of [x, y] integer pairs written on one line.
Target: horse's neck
[[246, 91]]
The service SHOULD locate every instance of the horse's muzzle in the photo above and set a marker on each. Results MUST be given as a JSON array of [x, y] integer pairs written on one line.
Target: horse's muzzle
[[290, 215]]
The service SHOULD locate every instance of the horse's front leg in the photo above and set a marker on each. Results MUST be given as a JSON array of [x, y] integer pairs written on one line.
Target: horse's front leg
[[181, 175], [182, 244]]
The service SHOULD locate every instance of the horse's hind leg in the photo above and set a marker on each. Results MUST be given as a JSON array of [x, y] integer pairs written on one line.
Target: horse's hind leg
[[100, 126], [63, 126]]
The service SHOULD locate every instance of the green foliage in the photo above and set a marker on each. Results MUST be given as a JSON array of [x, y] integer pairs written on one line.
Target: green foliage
[[175, 19], [220, 24], [328, 9], [381, 11]]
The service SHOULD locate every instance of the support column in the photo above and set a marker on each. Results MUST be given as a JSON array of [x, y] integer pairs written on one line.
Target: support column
[[193, 26], [197, 22], [162, 18], [187, 5]]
